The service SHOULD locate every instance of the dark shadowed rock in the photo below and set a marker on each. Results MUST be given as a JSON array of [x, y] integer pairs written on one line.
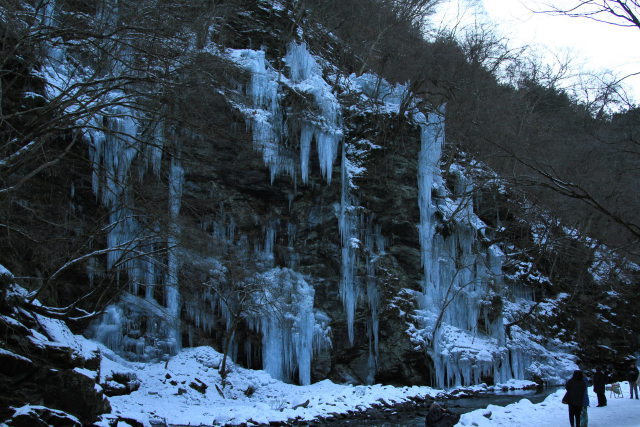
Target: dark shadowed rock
[[38, 371], [440, 417]]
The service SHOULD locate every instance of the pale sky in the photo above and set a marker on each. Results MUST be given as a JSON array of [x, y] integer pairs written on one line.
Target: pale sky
[[592, 46]]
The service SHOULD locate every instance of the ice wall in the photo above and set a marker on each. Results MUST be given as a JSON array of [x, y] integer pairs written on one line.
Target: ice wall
[[463, 330], [122, 145]]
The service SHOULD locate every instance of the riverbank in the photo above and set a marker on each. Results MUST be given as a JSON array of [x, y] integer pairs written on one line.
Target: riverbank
[[413, 413]]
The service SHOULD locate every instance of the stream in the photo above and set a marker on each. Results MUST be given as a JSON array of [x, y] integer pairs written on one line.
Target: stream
[[413, 415]]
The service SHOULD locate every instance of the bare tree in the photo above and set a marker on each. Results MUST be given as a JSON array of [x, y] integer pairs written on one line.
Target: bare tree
[[239, 291], [622, 13]]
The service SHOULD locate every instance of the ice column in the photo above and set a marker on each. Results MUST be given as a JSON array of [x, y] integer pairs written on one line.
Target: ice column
[[432, 139], [348, 224], [306, 134], [176, 178], [461, 277]]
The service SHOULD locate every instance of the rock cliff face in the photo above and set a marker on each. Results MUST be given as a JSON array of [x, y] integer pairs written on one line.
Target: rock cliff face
[[300, 218]]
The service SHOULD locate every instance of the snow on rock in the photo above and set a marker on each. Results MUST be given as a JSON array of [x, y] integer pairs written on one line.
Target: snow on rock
[[4, 354], [62, 336], [5, 274], [40, 415]]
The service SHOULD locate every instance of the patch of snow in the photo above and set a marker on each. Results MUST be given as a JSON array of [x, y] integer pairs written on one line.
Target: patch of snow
[[553, 413]]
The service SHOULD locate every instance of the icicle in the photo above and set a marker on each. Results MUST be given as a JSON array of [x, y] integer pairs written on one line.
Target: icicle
[[306, 133], [291, 234], [153, 155], [267, 249], [327, 150]]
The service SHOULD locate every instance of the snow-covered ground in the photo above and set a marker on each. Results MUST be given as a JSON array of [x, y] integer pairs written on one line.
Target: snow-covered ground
[[169, 393], [166, 393], [188, 390], [619, 412]]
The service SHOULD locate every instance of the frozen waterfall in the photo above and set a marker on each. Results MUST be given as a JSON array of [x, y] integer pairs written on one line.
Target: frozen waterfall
[[462, 282]]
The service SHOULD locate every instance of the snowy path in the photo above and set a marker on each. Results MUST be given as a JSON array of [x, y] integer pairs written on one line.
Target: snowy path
[[623, 412]]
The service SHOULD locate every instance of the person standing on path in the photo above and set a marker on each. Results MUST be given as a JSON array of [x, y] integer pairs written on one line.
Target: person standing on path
[[599, 382], [632, 377], [576, 389]]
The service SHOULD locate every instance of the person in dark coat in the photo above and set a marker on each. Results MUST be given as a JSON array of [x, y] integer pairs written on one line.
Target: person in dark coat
[[632, 377], [599, 381], [576, 389]]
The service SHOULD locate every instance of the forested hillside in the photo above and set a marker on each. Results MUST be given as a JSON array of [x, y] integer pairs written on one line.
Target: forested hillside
[[321, 190]]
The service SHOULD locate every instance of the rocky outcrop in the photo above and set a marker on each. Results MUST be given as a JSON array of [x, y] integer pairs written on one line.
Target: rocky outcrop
[[56, 382]]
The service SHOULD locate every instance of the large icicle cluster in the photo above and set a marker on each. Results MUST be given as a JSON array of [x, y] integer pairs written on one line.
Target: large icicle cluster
[[122, 145], [264, 114], [306, 76], [113, 152], [288, 325], [265, 118]]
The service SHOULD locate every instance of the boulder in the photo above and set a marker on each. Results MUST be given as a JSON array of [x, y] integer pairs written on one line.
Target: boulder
[[438, 416]]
